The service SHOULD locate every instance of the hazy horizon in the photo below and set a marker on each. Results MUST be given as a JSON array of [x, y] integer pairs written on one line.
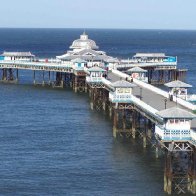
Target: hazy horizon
[[99, 28]]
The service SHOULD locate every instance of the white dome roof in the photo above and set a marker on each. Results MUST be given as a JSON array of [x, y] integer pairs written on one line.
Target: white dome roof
[[84, 43]]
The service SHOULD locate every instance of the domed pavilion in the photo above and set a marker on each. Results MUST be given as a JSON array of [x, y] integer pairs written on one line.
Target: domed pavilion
[[84, 43], [87, 50]]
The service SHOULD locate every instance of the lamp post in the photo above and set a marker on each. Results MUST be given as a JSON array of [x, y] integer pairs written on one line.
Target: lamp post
[[165, 103], [140, 93]]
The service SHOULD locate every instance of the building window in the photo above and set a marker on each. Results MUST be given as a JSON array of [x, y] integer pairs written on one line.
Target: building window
[[120, 90], [176, 121], [171, 121], [127, 90]]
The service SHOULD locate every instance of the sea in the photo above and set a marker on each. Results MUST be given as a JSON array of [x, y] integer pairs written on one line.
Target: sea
[[52, 143]]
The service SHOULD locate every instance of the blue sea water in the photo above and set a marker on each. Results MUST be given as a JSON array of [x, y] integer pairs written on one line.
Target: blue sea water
[[51, 143]]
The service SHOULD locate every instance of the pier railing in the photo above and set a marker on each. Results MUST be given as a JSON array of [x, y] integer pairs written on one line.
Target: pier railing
[[119, 98], [193, 136], [155, 90], [93, 79], [60, 67], [176, 135], [129, 64]]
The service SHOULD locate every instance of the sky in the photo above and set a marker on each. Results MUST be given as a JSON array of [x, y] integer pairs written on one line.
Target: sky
[[128, 14]]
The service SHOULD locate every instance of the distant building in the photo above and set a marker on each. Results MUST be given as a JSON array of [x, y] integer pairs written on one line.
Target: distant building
[[84, 43], [87, 50], [20, 56], [154, 58]]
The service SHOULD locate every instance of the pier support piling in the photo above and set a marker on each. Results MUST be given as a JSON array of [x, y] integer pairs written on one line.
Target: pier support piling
[[17, 76], [43, 79], [115, 123], [180, 168], [34, 82]]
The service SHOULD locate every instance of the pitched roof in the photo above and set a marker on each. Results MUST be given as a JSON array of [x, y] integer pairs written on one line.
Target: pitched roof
[[123, 84], [178, 84], [96, 69], [136, 70], [111, 60], [176, 112], [79, 60], [149, 55], [88, 51], [24, 54], [88, 55]]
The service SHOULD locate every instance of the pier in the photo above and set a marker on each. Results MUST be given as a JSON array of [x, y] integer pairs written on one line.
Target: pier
[[134, 107], [126, 94]]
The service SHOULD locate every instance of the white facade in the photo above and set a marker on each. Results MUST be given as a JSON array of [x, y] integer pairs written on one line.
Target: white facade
[[140, 76], [178, 124], [95, 75], [122, 92], [83, 43], [18, 56], [121, 95], [154, 58], [179, 92], [87, 50], [174, 129]]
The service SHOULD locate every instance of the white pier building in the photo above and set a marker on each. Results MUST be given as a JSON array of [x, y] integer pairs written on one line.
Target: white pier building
[[87, 50], [18, 56]]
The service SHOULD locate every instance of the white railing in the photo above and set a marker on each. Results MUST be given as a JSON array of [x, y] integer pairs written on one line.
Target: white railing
[[120, 74], [184, 103], [120, 98], [151, 88], [166, 134], [32, 65], [159, 132], [171, 65], [94, 79], [193, 136], [142, 84], [156, 90], [107, 82], [191, 97]]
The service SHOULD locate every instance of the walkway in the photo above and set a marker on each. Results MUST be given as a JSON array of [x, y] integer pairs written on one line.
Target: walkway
[[151, 98]]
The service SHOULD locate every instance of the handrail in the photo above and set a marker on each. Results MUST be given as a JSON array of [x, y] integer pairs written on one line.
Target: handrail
[[156, 90], [35, 64]]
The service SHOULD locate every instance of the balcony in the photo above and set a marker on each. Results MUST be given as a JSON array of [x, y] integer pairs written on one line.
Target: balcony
[[93, 79], [122, 98], [176, 135]]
